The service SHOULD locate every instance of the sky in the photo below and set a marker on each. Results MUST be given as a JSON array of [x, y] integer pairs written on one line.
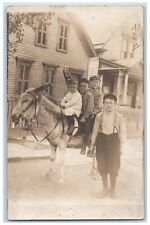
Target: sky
[[101, 21]]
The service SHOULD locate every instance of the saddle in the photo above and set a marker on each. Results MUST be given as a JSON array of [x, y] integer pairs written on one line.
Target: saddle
[[73, 126]]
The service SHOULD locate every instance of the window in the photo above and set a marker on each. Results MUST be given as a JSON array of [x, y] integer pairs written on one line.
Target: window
[[63, 37], [41, 35], [49, 73], [127, 49], [23, 77], [124, 49]]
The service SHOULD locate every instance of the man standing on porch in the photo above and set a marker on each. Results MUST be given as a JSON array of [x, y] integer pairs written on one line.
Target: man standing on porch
[[109, 137]]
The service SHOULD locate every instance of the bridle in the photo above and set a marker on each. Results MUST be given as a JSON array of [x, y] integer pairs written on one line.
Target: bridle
[[35, 101]]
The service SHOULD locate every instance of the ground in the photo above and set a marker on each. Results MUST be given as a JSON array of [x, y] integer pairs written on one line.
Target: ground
[[32, 195]]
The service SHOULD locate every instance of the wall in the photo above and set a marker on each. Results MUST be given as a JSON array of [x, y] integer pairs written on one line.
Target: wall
[[75, 58], [93, 66]]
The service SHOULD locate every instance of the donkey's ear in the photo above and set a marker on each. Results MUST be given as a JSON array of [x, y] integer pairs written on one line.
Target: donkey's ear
[[41, 88], [67, 74]]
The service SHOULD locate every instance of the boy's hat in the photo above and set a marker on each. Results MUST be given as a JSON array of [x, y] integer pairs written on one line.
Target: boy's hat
[[72, 81], [84, 80], [94, 78], [110, 96]]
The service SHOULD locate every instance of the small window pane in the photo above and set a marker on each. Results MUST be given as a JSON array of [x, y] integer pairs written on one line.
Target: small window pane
[[47, 76], [125, 55], [25, 86], [39, 37], [40, 25], [65, 44], [52, 77], [66, 31], [44, 26], [61, 30], [21, 72], [60, 43], [44, 39], [19, 88], [26, 73]]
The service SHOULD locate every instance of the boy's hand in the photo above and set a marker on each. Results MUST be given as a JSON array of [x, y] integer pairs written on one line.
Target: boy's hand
[[82, 120], [62, 106]]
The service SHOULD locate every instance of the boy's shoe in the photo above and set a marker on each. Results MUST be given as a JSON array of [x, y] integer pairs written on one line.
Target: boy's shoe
[[90, 153], [102, 194], [83, 150], [112, 194]]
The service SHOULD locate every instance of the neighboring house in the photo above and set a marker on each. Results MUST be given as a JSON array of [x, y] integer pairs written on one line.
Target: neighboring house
[[120, 62], [44, 53]]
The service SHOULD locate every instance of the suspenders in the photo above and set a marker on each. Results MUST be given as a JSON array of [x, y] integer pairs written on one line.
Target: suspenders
[[115, 129]]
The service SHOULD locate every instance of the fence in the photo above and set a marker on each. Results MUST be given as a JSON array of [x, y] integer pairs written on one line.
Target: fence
[[133, 119]]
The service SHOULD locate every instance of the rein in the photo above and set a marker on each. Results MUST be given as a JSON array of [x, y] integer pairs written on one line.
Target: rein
[[46, 135], [35, 116]]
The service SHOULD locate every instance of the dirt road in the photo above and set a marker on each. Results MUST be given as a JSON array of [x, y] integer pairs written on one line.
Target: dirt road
[[32, 195]]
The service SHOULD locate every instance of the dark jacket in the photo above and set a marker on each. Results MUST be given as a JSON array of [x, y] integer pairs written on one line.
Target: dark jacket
[[87, 105]]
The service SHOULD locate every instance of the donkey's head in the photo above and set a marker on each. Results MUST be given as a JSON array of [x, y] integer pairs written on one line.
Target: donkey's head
[[27, 106]]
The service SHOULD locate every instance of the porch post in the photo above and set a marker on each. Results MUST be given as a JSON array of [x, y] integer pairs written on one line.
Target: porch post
[[125, 89], [101, 83], [118, 85]]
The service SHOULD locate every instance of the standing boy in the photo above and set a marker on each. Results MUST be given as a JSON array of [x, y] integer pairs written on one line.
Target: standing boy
[[109, 136]]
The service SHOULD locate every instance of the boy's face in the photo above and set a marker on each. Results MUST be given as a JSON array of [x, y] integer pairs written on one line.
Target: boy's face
[[94, 83], [109, 105], [72, 88], [83, 87]]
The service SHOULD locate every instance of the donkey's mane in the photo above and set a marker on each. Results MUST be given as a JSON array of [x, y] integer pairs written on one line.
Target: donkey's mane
[[50, 105]]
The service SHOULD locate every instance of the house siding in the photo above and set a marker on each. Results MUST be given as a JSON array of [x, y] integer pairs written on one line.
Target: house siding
[[76, 57], [93, 66]]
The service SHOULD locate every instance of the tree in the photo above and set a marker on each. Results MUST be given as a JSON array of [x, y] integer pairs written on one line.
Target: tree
[[16, 23]]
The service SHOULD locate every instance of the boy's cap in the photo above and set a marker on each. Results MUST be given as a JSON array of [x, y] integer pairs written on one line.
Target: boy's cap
[[110, 96], [94, 78], [72, 81], [84, 80]]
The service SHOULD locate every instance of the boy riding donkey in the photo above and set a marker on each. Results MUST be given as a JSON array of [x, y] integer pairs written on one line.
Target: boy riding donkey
[[71, 106], [86, 113], [95, 91]]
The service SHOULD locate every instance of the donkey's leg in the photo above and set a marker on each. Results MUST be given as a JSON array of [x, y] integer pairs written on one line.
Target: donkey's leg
[[52, 160], [61, 160], [94, 171]]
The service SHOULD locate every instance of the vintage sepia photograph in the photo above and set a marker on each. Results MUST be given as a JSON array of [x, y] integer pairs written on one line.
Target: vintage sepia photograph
[[75, 112]]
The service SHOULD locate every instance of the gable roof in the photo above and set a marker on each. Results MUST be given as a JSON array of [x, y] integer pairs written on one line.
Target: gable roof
[[83, 36]]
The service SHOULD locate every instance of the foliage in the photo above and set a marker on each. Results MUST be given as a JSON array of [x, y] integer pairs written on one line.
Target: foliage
[[16, 24]]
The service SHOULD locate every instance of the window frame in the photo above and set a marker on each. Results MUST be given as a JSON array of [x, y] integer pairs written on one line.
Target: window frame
[[47, 67], [42, 32], [62, 36], [22, 80], [126, 53]]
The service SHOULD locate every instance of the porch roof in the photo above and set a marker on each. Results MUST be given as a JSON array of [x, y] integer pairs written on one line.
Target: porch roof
[[111, 65], [133, 67]]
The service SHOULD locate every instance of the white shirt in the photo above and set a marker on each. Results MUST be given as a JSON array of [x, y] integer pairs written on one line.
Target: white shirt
[[107, 123], [74, 101]]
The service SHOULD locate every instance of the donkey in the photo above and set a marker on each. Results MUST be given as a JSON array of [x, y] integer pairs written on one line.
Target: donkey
[[32, 104]]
